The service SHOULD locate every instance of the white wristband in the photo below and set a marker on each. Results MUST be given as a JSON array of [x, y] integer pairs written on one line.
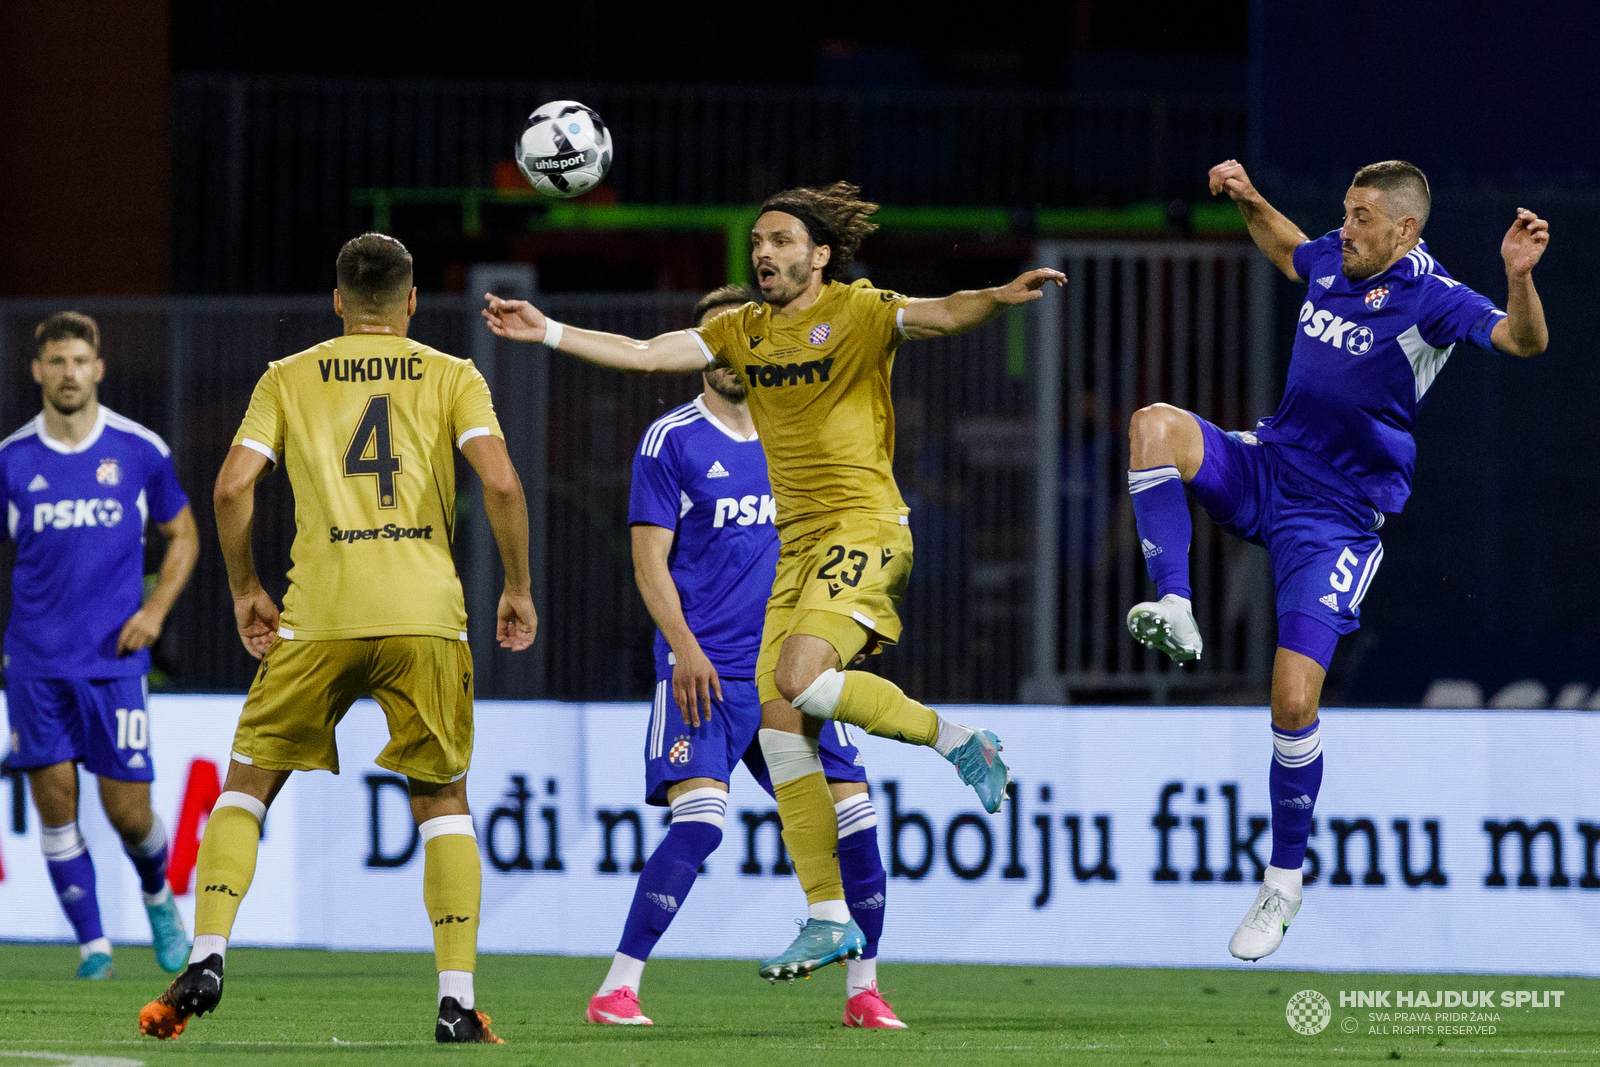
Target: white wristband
[[552, 333]]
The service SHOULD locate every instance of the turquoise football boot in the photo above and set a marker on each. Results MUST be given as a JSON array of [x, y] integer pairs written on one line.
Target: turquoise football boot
[[167, 935], [818, 944], [96, 967], [980, 766]]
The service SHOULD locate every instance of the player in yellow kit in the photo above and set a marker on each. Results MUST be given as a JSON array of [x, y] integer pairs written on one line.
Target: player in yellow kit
[[816, 357], [366, 426]]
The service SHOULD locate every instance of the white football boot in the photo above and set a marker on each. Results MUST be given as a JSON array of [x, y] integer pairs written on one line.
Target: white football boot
[[1265, 923], [1166, 625]]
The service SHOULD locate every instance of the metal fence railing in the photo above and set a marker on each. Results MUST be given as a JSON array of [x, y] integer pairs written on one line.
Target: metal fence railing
[[1025, 550], [264, 167], [1183, 323]]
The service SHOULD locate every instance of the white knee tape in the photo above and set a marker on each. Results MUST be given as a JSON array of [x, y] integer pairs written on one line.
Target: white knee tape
[[822, 695], [235, 799], [707, 804], [446, 824], [789, 756]]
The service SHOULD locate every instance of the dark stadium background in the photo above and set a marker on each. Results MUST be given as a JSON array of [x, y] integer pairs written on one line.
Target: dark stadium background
[[193, 149]]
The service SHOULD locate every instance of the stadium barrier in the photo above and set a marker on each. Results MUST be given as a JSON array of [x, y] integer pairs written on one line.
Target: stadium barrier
[[1026, 555], [1444, 841]]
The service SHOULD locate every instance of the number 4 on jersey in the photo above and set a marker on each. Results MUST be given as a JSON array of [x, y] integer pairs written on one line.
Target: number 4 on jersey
[[370, 451]]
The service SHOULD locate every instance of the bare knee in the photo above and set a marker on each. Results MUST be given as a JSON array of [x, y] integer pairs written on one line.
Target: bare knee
[[55, 793], [127, 807], [430, 800], [803, 658], [792, 679], [1162, 435], [1293, 713]]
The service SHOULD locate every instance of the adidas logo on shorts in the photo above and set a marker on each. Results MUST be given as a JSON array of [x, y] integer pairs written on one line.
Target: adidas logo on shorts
[[1331, 602]]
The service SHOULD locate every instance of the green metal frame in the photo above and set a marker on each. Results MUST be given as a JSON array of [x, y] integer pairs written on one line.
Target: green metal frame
[[733, 220]]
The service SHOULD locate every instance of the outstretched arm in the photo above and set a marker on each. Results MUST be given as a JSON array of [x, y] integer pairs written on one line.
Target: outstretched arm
[[521, 321], [1270, 229], [971, 308], [1523, 331]]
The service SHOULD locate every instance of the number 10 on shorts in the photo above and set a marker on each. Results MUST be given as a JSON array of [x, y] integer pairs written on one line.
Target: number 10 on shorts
[[133, 728]]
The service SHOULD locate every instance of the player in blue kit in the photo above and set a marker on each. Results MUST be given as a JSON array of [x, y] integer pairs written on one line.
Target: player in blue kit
[[80, 483], [1313, 482], [705, 549]]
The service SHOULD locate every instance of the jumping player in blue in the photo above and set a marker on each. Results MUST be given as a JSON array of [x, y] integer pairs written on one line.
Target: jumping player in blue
[[705, 550], [80, 482], [1313, 482]]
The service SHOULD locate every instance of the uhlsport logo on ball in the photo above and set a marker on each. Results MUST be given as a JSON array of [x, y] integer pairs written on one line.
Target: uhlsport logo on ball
[[1308, 1012]]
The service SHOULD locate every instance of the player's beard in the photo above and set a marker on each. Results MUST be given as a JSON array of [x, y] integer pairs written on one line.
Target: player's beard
[[793, 280], [69, 406], [729, 387], [1362, 268]]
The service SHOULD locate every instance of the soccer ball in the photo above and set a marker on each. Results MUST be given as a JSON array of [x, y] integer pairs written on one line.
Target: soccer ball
[[565, 149]]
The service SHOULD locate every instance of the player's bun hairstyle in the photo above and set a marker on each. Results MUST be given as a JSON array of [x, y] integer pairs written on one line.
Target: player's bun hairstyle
[[67, 326], [728, 296], [374, 270], [1405, 183], [834, 215]]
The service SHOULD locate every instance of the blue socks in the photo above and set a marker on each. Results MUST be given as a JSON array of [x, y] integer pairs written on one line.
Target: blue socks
[[1161, 512], [670, 871], [150, 860], [861, 868], [1293, 783], [72, 873]]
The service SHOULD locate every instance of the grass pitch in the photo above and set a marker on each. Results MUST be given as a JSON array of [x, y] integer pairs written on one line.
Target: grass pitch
[[363, 1010]]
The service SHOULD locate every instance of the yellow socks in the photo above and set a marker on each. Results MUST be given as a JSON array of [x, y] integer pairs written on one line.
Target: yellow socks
[[452, 889], [875, 704], [227, 862], [810, 825]]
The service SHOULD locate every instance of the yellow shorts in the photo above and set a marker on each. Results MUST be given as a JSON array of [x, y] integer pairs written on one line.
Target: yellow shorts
[[303, 688], [842, 582]]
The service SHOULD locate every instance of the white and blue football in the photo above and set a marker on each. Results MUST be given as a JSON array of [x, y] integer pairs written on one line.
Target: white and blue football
[[565, 149]]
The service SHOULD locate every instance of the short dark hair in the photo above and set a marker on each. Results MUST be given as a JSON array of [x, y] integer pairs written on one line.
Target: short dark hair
[[67, 326], [833, 215], [727, 296], [1404, 181], [374, 270]]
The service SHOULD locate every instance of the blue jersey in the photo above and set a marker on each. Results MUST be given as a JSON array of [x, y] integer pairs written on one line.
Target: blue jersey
[[695, 476], [1364, 354], [77, 515]]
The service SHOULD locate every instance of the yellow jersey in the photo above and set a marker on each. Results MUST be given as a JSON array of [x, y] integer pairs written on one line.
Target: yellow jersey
[[366, 426], [818, 388]]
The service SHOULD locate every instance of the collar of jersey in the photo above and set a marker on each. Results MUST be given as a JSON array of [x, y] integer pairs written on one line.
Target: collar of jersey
[[700, 405], [82, 446], [1366, 284]]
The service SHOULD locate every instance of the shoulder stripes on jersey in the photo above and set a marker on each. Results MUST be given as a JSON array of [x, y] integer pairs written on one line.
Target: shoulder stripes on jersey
[[656, 435], [1423, 264], [127, 425], [28, 429]]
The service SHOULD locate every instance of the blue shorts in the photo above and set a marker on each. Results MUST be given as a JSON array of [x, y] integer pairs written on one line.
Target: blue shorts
[[102, 724], [1320, 537], [674, 751]]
